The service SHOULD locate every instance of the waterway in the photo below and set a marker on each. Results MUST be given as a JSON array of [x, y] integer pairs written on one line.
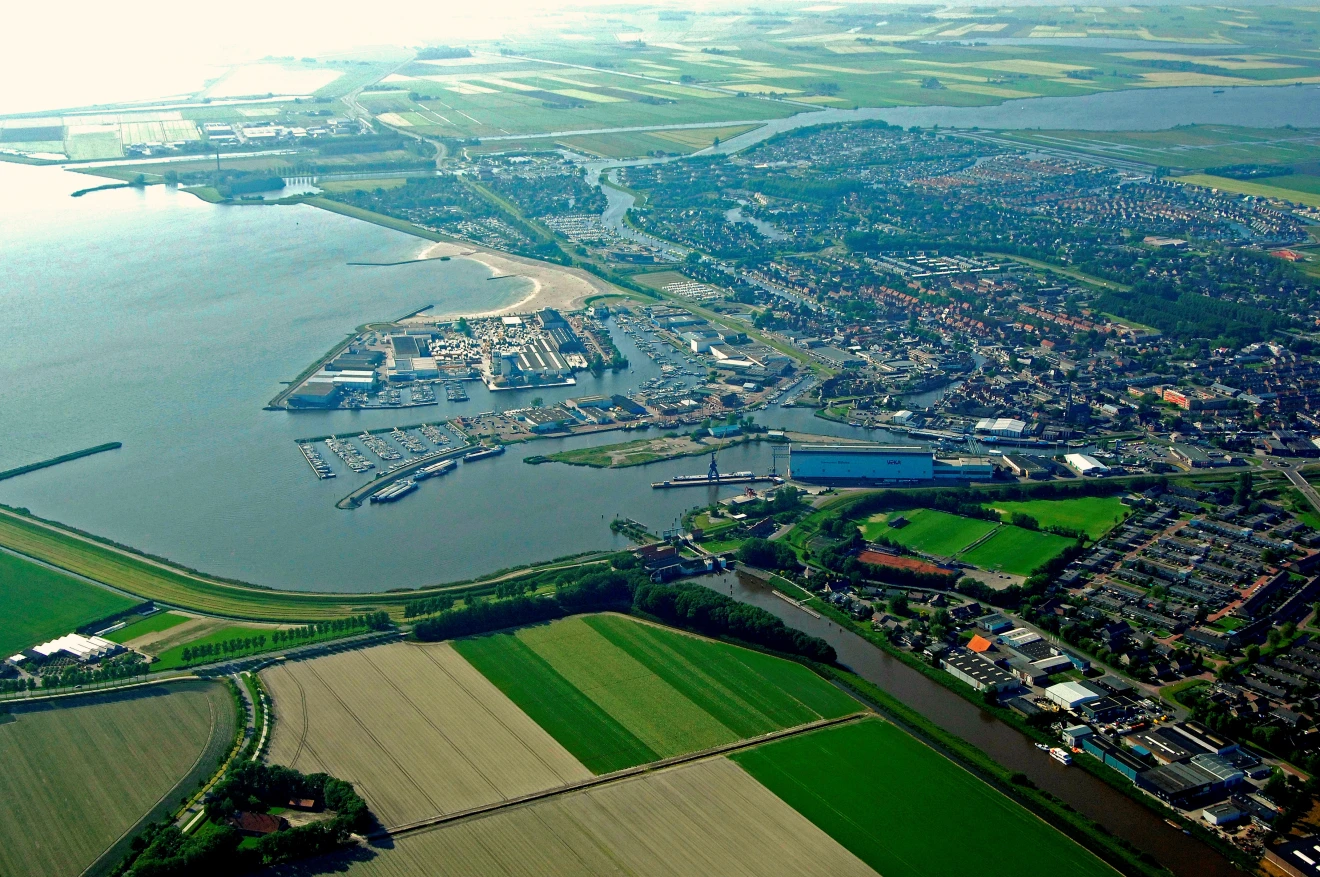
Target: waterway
[[1120, 815], [152, 318]]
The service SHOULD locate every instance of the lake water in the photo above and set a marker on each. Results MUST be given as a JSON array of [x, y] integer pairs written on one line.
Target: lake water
[[152, 318]]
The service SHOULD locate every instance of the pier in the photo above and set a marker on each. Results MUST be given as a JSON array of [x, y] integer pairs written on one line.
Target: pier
[[357, 497], [704, 481], [55, 461]]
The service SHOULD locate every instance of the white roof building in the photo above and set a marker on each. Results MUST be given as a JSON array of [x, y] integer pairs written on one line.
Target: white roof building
[[1003, 426], [1085, 464], [84, 648], [1071, 695]]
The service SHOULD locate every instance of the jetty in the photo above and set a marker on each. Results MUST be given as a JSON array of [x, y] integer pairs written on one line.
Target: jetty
[[706, 480], [385, 479], [55, 461]]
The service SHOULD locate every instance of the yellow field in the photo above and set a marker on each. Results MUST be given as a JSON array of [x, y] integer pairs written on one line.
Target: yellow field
[[415, 728], [704, 818], [1259, 190]]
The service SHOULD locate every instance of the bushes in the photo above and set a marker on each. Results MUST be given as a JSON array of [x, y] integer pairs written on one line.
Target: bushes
[[767, 554], [251, 785]]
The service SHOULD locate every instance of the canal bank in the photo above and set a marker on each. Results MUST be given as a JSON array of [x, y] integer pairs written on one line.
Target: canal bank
[[1090, 796]]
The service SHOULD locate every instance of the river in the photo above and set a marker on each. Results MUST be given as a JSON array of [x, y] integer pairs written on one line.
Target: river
[[1116, 812]]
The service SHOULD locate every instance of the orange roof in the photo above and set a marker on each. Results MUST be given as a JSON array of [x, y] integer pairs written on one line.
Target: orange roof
[[978, 643]]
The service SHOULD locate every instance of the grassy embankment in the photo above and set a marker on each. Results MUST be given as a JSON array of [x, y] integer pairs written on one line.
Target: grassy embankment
[[155, 579], [638, 452]]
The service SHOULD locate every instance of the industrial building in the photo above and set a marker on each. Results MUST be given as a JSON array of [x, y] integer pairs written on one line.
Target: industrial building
[[1071, 695], [978, 672], [861, 463], [1085, 464], [87, 649]]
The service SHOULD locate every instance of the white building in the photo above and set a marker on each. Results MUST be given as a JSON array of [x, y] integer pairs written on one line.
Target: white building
[[1085, 464], [87, 649], [1002, 426], [1071, 695], [861, 463]]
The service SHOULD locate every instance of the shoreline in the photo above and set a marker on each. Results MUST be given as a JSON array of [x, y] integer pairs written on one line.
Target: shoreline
[[553, 286]]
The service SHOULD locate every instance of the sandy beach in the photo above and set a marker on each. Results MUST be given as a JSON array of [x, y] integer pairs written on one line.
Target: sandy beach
[[552, 286]]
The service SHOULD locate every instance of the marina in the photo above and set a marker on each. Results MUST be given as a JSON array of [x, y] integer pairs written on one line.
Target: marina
[[314, 460]]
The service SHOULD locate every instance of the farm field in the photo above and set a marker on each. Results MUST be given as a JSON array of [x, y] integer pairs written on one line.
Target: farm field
[[885, 807], [1273, 187], [1193, 147], [1093, 515], [929, 531], [1016, 551], [37, 604], [77, 776], [414, 727], [704, 818], [617, 692]]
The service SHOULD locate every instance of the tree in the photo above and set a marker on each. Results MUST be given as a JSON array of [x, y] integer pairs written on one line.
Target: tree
[[1242, 496], [898, 605]]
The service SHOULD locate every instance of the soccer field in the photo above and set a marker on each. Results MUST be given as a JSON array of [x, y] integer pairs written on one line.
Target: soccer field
[[907, 811], [617, 692], [929, 531], [37, 604], [1093, 515], [1016, 551]]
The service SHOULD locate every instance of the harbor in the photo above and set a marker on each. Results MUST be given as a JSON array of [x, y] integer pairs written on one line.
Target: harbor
[[396, 484]]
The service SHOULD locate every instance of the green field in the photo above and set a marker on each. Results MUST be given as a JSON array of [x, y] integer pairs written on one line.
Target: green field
[[929, 531], [1093, 515], [1273, 187], [151, 624], [77, 776], [173, 657], [37, 604], [1016, 551], [907, 811], [617, 692]]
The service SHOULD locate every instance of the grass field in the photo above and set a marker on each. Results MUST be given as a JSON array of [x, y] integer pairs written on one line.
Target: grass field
[[158, 623], [907, 811], [173, 656], [416, 729], [1271, 189], [78, 775], [618, 693], [636, 453], [1016, 551], [37, 604], [929, 531], [1093, 515], [708, 818]]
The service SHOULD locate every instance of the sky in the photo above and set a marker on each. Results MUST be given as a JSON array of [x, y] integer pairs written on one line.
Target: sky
[[85, 52]]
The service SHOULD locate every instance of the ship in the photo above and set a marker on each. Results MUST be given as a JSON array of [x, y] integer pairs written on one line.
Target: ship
[[395, 491], [1061, 755], [435, 469], [484, 453]]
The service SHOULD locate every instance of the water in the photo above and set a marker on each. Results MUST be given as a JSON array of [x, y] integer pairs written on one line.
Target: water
[[767, 230], [1119, 814], [152, 318]]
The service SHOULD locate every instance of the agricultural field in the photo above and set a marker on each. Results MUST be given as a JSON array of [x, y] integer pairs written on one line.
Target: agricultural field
[[886, 806], [929, 531], [704, 818], [416, 729], [1187, 147], [40, 604], [1093, 515], [80, 774], [617, 692], [1271, 187], [1016, 551]]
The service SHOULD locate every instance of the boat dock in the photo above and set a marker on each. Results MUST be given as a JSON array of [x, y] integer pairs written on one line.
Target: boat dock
[[704, 481], [316, 462], [399, 473]]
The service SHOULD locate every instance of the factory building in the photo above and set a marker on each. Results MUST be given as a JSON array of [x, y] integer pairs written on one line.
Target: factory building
[[861, 463]]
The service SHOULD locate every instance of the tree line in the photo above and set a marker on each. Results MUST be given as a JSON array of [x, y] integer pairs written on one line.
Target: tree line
[[293, 636], [627, 587]]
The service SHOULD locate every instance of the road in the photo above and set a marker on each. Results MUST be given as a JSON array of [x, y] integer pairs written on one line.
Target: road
[[1304, 486]]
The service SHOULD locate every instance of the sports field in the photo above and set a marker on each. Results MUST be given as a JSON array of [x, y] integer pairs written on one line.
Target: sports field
[[707, 818], [907, 811], [617, 692], [37, 604], [1016, 551], [416, 729], [78, 775], [1093, 515], [929, 531], [152, 624]]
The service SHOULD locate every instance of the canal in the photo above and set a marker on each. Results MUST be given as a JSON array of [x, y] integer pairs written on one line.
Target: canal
[[1114, 811]]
